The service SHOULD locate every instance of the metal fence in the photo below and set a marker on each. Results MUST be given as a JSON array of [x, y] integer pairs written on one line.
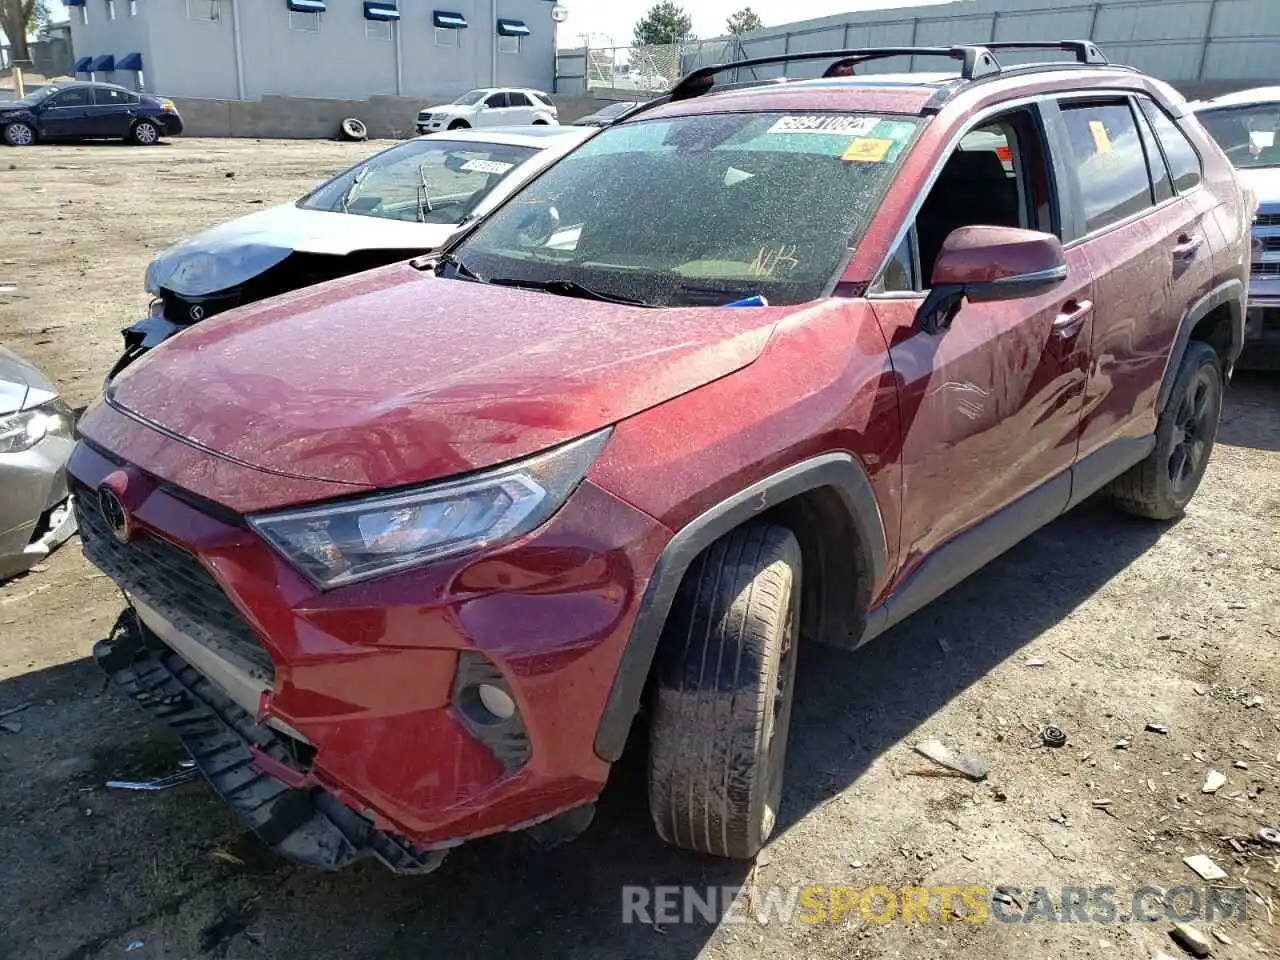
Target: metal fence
[[1187, 42]]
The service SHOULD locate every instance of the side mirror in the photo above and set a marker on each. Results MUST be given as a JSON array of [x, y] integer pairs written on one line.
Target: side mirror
[[984, 264]]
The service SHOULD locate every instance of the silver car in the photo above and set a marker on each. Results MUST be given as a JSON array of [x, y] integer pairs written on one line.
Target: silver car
[[35, 442]]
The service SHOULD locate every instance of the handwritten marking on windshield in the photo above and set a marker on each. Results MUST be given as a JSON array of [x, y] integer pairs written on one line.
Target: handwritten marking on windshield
[[770, 258]]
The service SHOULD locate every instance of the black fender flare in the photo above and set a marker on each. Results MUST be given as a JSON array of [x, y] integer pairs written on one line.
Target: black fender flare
[[1235, 294], [839, 471]]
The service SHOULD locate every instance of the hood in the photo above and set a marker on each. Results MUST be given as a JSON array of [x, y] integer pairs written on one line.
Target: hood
[[1263, 181], [21, 385], [449, 108], [239, 250], [394, 377]]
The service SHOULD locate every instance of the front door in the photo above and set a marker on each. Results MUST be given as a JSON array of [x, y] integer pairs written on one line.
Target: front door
[[494, 111], [989, 409], [65, 116]]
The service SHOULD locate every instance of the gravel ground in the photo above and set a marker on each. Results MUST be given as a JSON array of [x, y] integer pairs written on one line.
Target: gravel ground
[[1100, 625]]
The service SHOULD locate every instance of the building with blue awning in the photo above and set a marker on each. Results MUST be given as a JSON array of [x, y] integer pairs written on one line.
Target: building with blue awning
[[343, 49]]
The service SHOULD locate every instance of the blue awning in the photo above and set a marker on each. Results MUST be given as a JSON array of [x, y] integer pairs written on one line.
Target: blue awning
[[103, 64], [82, 65], [449, 21], [380, 11], [306, 6], [512, 28], [74, 3], [130, 61]]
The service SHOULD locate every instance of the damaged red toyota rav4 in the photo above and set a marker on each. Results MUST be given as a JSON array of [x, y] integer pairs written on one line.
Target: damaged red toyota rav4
[[410, 552]]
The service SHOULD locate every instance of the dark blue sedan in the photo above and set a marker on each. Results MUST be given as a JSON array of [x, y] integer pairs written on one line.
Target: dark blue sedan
[[88, 111]]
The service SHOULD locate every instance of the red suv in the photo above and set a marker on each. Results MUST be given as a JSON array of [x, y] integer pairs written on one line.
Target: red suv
[[410, 551]]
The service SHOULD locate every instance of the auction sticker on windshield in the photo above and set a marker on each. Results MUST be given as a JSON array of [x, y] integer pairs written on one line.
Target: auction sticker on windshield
[[486, 166], [827, 123]]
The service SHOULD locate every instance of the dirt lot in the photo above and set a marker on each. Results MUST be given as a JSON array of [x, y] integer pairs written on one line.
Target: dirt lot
[[1099, 625]]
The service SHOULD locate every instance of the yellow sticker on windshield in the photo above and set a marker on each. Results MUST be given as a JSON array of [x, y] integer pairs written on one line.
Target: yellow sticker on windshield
[[1100, 138], [867, 150]]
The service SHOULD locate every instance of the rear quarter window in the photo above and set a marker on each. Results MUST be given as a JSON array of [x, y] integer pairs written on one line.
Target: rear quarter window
[[1184, 162]]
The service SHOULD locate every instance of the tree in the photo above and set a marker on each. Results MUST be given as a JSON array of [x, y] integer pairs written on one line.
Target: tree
[[744, 21], [666, 22], [17, 19]]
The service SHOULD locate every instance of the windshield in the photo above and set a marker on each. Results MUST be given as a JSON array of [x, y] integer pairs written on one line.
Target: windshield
[[1247, 134], [427, 181], [471, 99], [39, 96], [698, 210]]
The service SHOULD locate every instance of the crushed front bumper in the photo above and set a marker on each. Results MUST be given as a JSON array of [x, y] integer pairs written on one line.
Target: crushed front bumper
[[298, 819]]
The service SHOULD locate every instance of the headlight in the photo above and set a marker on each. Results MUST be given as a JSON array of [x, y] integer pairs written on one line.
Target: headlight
[[345, 543], [23, 430]]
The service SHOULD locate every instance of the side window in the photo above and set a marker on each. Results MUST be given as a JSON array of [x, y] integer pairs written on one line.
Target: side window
[[77, 97], [997, 176], [497, 101], [517, 99], [1156, 167], [1184, 162], [901, 274], [1108, 161], [106, 97]]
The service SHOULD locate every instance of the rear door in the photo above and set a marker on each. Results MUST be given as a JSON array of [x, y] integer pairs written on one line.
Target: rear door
[[66, 115], [1149, 255], [520, 108], [112, 112]]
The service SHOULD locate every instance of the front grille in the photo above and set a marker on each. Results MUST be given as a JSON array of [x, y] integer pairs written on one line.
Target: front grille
[[1271, 244], [188, 310], [1268, 269], [1267, 220], [175, 584]]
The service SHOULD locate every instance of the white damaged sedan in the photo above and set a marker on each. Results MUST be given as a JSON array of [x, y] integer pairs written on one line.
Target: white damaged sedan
[[406, 201]]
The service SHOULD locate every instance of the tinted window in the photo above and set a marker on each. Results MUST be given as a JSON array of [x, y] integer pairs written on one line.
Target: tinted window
[[1247, 134], [1184, 162], [109, 96], [1108, 161], [700, 210], [496, 101], [1156, 166], [516, 99], [75, 97]]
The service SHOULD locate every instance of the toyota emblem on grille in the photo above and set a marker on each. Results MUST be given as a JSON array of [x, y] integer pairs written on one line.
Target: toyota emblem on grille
[[196, 313], [114, 513]]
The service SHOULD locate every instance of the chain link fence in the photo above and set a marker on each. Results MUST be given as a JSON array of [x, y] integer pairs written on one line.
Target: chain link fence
[[652, 69]]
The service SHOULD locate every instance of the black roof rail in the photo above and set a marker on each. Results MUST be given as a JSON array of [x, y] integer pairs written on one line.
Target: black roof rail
[[1085, 51], [976, 62]]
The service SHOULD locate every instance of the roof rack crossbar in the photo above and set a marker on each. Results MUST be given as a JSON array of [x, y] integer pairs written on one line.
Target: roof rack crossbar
[[1085, 51], [976, 62]]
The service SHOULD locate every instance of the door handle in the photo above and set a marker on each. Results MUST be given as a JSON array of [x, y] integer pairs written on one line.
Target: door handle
[[1187, 246], [1071, 318]]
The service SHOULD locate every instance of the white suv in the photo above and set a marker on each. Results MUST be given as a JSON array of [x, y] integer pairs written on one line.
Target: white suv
[[492, 107]]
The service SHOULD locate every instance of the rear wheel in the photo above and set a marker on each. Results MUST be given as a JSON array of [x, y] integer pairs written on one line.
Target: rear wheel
[[725, 683], [145, 133], [1161, 486], [19, 134]]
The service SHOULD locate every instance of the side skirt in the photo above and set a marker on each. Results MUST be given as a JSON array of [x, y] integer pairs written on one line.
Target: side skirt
[[968, 552]]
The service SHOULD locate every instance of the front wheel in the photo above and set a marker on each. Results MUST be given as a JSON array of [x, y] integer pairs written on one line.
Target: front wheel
[[145, 133], [1161, 486], [459, 125], [725, 682], [19, 134]]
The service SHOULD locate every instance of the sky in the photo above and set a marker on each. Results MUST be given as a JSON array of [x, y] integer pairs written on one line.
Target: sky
[[610, 21]]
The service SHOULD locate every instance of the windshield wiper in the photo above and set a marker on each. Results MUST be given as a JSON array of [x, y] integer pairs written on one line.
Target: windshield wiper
[[460, 269], [424, 206], [350, 193], [569, 288]]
